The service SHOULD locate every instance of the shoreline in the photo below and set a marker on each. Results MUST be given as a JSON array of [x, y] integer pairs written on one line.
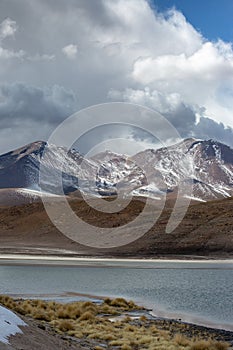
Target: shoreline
[[158, 314], [72, 259], [186, 318], [191, 320], [140, 318]]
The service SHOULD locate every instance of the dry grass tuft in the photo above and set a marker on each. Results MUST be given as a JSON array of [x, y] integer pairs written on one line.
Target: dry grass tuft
[[87, 316], [65, 326], [209, 345], [40, 315], [181, 340], [88, 320]]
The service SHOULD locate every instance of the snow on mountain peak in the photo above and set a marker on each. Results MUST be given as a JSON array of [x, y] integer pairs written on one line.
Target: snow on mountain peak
[[207, 165]]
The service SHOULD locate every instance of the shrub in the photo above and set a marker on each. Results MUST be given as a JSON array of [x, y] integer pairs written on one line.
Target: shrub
[[126, 347], [107, 301], [40, 315], [209, 344], [143, 318], [119, 302], [181, 340], [76, 312], [86, 316], [65, 326], [221, 346]]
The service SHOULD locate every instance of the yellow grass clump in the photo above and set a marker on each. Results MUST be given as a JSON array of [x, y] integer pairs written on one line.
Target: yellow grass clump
[[91, 321]]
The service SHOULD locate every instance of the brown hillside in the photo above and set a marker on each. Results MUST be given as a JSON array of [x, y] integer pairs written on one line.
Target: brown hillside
[[207, 229]]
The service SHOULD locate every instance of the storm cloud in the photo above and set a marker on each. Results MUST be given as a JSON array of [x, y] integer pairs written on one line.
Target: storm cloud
[[29, 113], [59, 56], [21, 102]]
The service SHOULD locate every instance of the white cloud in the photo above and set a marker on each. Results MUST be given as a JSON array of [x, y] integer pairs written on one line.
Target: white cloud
[[70, 51], [127, 52], [6, 54], [196, 77], [169, 56], [163, 103], [210, 63], [43, 57], [7, 28]]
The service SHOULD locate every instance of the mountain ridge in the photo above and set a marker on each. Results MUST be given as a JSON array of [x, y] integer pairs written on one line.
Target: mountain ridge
[[201, 167], [205, 230]]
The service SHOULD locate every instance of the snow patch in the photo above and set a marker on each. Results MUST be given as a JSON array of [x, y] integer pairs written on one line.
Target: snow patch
[[36, 193], [150, 190], [9, 324], [194, 198]]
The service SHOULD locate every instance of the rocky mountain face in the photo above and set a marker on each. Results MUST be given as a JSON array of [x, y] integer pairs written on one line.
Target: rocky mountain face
[[205, 166]]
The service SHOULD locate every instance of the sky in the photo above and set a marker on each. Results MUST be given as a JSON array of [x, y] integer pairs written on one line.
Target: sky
[[58, 56], [212, 18]]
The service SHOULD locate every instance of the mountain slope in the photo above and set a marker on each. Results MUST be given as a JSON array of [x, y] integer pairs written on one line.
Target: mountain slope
[[205, 230], [206, 165], [203, 169], [21, 168]]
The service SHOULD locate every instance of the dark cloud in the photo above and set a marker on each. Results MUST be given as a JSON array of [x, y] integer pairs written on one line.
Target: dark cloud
[[182, 118], [209, 129], [185, 121], [21, 102], [119, 45], [29, 113]]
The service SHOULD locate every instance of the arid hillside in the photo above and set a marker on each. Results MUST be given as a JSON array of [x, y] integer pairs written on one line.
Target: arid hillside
[[206, 230]]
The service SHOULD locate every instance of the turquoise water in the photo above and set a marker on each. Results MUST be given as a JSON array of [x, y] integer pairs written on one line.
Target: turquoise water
[[196, 292]]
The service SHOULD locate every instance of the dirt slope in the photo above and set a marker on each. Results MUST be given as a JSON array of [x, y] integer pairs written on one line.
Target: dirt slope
[[207, 229]]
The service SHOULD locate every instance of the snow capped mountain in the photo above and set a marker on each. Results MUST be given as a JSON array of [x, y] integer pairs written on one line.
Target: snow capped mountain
[[21, 168], [206, 166], [117, 172]]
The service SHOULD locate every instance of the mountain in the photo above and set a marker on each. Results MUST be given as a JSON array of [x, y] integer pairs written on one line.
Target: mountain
[[21, 168], [205, 167]]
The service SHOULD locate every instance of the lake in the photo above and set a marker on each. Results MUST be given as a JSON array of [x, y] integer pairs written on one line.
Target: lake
[[199, 292]]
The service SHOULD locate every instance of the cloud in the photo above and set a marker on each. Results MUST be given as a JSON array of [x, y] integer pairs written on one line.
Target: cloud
[[43, 57], [29, 113], [209, 63], [189, 120], [6, 54], [208, 128], [126, 51], [8, 27], [196, 77], [20, 102], [70, 51]]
